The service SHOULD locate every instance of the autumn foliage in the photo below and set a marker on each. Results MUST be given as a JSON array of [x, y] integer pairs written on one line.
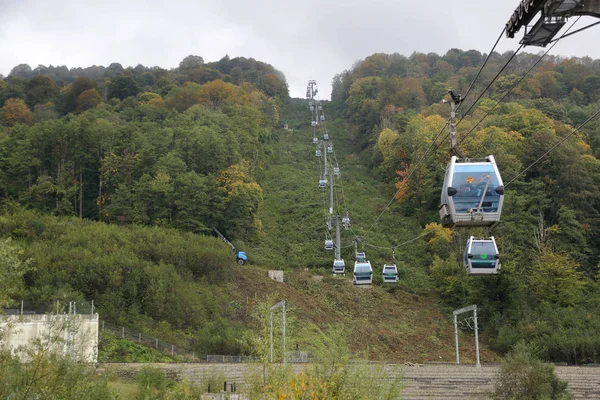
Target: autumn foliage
[[15, 111]]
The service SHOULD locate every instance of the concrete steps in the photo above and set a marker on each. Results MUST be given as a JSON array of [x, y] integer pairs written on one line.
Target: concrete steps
[[422, 381]]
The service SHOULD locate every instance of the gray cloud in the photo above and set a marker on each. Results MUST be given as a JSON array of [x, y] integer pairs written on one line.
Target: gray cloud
[[306, 40]]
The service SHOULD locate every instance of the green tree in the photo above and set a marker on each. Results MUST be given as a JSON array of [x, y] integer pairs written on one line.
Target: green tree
[[40, 89], [523, 376], [122, 87], [12, 269]]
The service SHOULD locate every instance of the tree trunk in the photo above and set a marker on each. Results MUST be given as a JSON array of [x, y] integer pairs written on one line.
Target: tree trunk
[[80, 192]]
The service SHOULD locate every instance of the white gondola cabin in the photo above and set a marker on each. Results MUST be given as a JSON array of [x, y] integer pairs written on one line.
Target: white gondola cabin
[[472, 194], [313, 123], [330, 148], [320, 107], [363, 272], [317, 153], [322, 183], [481, 257], [346, 222], [336, 171], [315, 140], [310, 103], [322, 118], [312, 108], [328, 244], [390, 273], [326, 136], [339, 267]]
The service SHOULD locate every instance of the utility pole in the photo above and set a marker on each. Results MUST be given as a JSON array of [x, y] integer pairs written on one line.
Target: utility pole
[[338, 250], [454, 103], [331, 196], [325, 156], [281, 305]]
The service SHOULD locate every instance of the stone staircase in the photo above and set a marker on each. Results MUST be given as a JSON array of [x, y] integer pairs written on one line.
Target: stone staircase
[[421, 381]]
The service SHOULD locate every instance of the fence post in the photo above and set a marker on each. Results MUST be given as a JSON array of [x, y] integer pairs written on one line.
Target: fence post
[[140, 337], [157, 344], [21, 307], [193, 356], [92, 307], [172, 350], [123, 332]]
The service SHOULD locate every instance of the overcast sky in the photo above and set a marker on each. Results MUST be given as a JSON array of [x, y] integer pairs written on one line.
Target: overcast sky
[[305, 39]]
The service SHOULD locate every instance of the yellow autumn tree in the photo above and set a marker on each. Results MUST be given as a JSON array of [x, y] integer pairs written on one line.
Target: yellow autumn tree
[[15, 111], [88, 99]]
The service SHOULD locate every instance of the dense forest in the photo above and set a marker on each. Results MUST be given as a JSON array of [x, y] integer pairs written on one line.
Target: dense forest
[[157, 157], [548, 290], [111, 177]]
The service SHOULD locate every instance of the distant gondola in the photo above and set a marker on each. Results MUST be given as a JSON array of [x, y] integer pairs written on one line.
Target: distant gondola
[[339, 267], [481, 257]]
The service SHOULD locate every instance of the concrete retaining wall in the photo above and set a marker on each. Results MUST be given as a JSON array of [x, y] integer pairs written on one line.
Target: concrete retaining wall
[[74, 335]]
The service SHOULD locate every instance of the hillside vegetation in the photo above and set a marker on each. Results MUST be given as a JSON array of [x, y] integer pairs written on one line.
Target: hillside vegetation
[[110, 180], [547, 293]]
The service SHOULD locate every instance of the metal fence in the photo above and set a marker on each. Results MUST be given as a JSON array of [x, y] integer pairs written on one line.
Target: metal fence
[[177, 353], [26, 307]]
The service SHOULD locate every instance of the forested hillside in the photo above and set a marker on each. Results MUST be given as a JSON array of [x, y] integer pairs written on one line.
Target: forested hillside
[[156, 158], [142, 145], [548, 290], [111, 177]]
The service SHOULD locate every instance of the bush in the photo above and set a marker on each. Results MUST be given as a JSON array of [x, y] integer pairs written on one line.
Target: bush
[[523, 376]]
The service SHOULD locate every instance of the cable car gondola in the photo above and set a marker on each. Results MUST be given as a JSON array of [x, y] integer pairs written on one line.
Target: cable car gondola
[[330, 148], [325, 136], [322, 117], [328, 244], [336, 171], [313, 123], [339, 267], [472, 194], [317, 153], [481, 257], [315, 140], [390, 273], [346, 222], [363, 272], [322, 183]]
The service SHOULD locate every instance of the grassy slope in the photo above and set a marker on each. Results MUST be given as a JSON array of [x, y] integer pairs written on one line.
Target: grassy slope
[[400, 324]]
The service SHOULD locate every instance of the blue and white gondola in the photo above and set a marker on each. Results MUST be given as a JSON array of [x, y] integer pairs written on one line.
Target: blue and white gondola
[[472, 194]]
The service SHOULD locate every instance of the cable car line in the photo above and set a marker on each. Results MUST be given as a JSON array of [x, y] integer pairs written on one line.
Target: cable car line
[[518, 82], [555, 146], [403, 243], [577, 31], [438, 144], [408, 177], [483, 65], [442, 130], [490, 84]]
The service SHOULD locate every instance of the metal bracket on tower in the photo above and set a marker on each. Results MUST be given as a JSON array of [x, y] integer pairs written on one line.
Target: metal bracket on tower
[[455, 101]]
